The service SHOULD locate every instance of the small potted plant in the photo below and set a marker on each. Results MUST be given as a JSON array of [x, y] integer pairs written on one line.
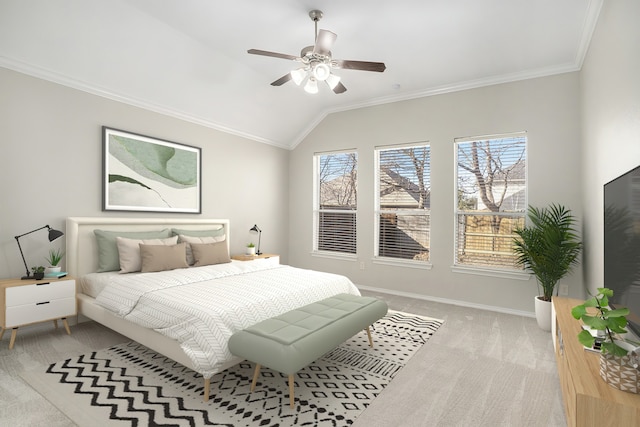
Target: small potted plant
[[251, 249], [38, 272], [54, 258], [619, 356]]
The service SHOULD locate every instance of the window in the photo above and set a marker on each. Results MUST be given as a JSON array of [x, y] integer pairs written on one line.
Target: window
[[403, 202], [491, 199], [335, 206]]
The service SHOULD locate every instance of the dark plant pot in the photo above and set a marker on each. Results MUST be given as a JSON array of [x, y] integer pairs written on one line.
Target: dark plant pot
[[38, 276]]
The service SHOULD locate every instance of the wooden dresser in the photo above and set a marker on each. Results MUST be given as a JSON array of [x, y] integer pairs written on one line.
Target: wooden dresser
[[588, 399]]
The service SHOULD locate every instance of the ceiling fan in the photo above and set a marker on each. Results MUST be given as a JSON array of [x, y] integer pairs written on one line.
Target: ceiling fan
[[317, 63]]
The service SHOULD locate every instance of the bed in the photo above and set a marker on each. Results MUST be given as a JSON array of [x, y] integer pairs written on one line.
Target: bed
[[187, 314]]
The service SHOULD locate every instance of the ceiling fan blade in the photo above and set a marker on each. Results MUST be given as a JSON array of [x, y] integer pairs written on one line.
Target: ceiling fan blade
[[282, 80], [340, 88], [324, 41], [273, 54], [360, 65]]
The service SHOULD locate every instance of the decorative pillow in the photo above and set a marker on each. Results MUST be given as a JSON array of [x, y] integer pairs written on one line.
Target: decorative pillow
[[198, 233], [193, 239], [162, 257], [108, 250], [129, 251], [210, 253]]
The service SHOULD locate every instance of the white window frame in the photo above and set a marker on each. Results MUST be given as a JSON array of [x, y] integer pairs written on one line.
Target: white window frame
[[316, 209], [512, 272], [378, 211]]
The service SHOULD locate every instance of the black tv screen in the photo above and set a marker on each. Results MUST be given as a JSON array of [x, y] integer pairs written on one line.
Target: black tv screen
[[622, 244]]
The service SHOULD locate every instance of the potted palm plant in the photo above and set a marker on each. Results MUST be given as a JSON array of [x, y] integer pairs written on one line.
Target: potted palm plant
[[549, 248]]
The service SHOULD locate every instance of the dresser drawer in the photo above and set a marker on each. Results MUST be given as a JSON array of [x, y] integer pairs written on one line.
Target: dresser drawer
[[46, 291], [37, 312]]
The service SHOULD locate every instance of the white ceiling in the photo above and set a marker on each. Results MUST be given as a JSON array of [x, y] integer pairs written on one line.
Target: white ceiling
[[189, 58]]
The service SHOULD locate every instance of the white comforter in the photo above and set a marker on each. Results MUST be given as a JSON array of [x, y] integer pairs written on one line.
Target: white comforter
[[202, 307]]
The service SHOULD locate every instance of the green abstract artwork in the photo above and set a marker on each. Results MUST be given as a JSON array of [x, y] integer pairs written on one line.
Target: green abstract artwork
[[147, 174]]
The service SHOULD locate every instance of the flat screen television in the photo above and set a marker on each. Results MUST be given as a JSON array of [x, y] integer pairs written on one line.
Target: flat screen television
[[622, 244]]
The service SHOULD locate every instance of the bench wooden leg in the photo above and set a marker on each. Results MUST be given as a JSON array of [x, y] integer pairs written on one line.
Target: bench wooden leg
[[369, 335], [291, 391], [207, 388], [256, 372]]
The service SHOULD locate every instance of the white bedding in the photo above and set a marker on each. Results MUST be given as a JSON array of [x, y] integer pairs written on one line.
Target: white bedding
[[202, 307]]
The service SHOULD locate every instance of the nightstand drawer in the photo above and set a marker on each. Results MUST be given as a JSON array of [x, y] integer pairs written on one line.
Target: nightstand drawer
[[37, 312], [46, 291]]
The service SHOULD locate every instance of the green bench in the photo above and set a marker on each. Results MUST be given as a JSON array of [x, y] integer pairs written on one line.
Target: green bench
[[291, 341]]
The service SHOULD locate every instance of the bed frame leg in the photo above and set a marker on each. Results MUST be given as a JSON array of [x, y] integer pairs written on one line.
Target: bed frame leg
[[369, 335], [207, 388]]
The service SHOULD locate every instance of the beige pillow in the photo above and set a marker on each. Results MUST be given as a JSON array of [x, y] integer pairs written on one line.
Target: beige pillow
[[210, 253], [162, 257], [129, 251], [197, 239]]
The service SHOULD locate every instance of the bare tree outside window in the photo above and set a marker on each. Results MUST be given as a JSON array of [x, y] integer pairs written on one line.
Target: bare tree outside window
[[491, 203], [336, 202]]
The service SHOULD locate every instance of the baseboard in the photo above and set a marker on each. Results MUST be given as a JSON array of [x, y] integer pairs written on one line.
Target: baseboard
[[449, 301]]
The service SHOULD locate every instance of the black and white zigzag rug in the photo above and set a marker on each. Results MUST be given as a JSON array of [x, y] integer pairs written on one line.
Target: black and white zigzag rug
[[130, 385]]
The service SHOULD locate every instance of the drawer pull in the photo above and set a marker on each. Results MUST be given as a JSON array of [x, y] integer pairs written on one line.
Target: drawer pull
[[42, 284], [45, 302]]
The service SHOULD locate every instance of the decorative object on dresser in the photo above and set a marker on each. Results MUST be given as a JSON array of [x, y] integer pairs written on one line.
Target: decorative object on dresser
[[619, 355], [38, 272], [588, 400], [53, 235], [254, 230], [549, 248], [34, 301], [251, 249], [54, 258], [149, 174]]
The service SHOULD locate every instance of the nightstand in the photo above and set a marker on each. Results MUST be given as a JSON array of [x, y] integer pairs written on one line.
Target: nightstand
[[24, 302], [269, 258]]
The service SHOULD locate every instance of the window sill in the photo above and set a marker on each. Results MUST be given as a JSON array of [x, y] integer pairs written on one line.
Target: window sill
[[403, 263], [335, 255], [516, 275]]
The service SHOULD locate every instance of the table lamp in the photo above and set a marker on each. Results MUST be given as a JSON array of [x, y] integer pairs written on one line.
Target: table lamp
[[53, 235], [255, 229]]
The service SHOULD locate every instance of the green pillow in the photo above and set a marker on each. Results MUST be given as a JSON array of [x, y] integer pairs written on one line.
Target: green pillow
[[108, 259], [198, 233]]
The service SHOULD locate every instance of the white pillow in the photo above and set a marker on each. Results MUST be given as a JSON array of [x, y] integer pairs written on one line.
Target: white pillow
[[193, 239], [129, 251]]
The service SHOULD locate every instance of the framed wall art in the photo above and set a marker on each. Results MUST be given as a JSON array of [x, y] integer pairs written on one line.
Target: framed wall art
[[146, 174]]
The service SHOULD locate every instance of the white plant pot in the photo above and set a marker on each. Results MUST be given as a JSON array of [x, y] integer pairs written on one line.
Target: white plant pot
[[49, 270], [251, 251], [543, 313]]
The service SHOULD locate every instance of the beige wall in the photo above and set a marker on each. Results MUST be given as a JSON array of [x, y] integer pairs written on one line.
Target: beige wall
[[547, 108], [610, 81], [51, 168]]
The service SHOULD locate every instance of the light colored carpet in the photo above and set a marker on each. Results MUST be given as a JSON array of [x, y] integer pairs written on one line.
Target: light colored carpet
[[509, 355]]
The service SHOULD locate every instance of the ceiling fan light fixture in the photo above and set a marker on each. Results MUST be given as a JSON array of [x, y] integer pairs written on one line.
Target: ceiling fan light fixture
[[311, 86], [332, 80], [298, 75], [321, 71]]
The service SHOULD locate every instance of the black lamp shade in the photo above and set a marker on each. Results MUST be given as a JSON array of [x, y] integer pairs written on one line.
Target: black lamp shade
[[54, 234]]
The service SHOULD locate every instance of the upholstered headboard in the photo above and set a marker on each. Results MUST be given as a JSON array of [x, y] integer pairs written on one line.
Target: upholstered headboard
[[82, 249]]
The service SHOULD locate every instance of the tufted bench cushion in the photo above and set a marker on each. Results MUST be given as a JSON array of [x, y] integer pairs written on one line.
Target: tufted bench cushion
[[291, 341]]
